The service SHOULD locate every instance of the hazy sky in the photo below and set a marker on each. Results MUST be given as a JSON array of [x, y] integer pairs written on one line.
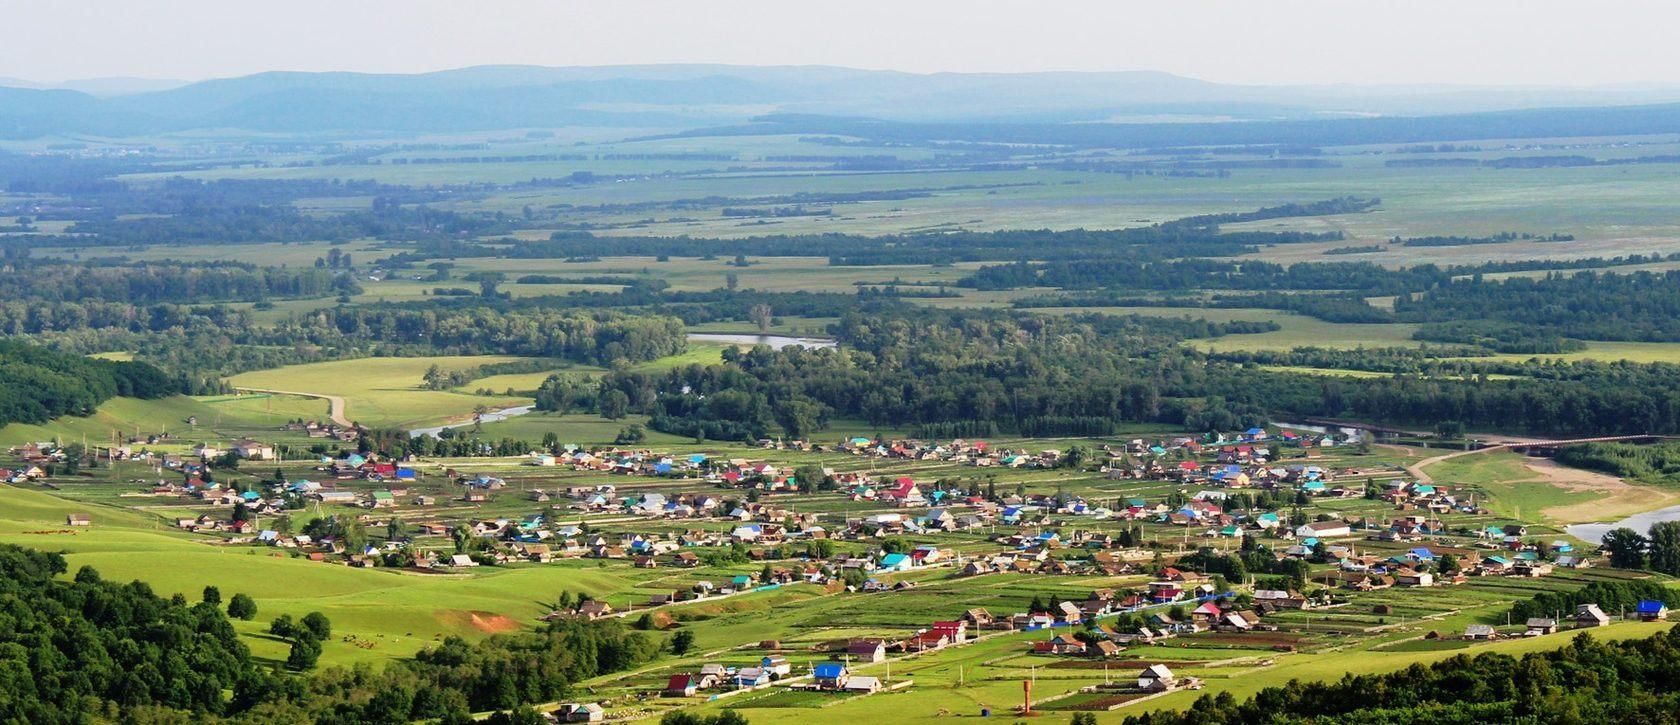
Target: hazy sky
[[1532, 42]]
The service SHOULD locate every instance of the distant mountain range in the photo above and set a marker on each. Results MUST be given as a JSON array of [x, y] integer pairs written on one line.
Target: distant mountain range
[[678, 97]]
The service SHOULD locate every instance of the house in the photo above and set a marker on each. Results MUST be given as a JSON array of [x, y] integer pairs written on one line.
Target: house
[[1651, 610], [955, 630], [1156, 678], [752, 677], [1068, 612], [78, 520], [928, 640], [1589, 615], [862, 684], [867, 650], [1414, 578], [574, 712], [594, 609], [1106, 648], [776, 665], [1541, 625], [1480, 631], [461, 560], [830, 675], [253, 450], [978, 617], [1060, 644], [895, 562], [682, 686], [383, 499], [1279, 599], [1324, 529]]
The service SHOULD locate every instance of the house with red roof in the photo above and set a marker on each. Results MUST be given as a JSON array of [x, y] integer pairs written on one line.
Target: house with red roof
[[904, 492]]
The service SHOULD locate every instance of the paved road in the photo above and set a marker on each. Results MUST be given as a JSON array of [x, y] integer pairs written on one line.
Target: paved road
[[335, 403]]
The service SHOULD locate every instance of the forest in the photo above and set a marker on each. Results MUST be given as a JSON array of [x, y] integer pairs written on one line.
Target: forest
[[1659, 462], [37, 384], [178, 283], [74, 650], [1584, 682], [1055, 375]]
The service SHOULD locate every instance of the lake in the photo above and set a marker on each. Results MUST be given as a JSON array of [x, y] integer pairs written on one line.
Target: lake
[[776, 342]]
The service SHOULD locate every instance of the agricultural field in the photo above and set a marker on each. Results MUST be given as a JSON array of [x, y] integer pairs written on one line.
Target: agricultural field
[[384, 392]]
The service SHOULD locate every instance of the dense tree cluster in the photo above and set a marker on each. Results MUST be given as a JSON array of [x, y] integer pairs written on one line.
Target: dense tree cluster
[[199, 343], [1019, 371], [1587, 681], [71, 649], [1644, 462], [146, 284], [1212, 274], [37, 384], [85, 649], [1611, 596], [1642, 306]]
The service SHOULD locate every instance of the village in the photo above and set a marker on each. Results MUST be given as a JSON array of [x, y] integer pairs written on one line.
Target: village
[[1269, 542]]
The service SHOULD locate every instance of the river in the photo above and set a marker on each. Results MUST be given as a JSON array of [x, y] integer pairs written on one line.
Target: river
[[776, 342], [1353, 434], [1638, 522], [490, 417]]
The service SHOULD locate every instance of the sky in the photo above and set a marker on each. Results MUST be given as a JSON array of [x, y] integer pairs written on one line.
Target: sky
[[1260, 42]]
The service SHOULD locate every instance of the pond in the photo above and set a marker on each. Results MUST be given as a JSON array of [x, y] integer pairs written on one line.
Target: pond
[[776, 342]]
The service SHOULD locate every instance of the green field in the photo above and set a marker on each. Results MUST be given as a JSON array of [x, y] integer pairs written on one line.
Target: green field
[[384, 391]]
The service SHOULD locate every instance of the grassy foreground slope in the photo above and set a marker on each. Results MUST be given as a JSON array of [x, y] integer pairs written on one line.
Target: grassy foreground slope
[[398, 612]]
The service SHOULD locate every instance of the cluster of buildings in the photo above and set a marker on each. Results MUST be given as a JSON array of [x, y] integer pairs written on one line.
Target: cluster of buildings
[[326, 430]]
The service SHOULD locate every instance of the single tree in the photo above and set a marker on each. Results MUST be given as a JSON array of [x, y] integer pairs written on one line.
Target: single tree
[[242, 606]]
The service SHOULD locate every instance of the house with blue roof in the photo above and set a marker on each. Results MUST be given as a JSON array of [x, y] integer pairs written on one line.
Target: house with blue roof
[[830, 675], [1651, 610], [895, 562], [752, 677]]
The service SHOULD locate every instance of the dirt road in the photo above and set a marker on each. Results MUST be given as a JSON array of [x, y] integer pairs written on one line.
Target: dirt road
[[335, 403]]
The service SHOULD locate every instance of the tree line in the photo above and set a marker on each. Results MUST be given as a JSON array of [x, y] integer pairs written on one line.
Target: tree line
[[86, 649], [1586, 681], [37, 384]]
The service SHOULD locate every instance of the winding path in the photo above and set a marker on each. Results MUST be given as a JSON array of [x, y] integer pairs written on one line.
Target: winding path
[[335, 403]]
